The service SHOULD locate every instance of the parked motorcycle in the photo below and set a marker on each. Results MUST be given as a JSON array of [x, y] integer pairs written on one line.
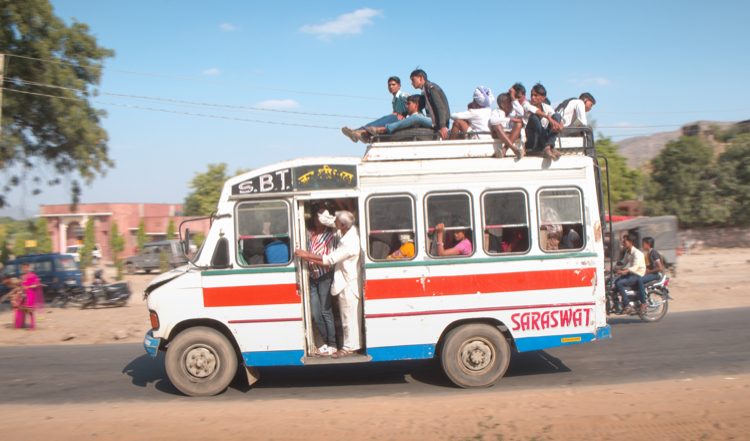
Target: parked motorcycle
[[657, 295], [106, 294], [70, 293]]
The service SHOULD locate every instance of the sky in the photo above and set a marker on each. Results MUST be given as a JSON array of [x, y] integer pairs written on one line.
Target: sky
[[652, 67]]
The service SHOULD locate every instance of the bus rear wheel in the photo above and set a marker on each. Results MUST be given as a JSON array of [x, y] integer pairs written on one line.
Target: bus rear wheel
[[475, 355], [201, 362]]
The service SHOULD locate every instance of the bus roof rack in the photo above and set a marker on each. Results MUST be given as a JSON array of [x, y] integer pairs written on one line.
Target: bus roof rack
[[421, 143]]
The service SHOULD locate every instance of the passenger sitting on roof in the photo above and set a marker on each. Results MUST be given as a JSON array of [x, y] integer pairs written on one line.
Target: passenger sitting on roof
[[435, 102], [463, 244], [542, 124], [399, 112], [573, 111], [414, 118], [474, 119], [507, 117]]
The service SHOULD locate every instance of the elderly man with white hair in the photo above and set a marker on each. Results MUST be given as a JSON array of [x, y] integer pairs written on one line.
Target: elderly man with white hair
[[346, 277]]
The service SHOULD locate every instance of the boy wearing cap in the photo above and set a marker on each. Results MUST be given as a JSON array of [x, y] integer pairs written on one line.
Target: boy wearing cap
[[476, 117]]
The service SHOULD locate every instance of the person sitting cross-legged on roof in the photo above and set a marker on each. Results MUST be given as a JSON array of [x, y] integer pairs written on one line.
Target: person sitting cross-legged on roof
[[573, 111], [507, 117], [399, 112], [414, 118], [476, 117], [542, 123]]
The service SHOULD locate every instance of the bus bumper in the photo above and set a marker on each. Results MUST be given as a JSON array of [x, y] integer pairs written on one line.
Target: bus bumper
[[603, 333], [151, 344]]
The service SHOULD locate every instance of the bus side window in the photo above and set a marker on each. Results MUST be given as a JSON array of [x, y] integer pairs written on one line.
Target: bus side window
[[506, 222], [561, 217], [453, 210], [263, 233], [390, 227]]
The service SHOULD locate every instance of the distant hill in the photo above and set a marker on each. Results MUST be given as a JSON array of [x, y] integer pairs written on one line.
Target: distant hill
[[640, 149]]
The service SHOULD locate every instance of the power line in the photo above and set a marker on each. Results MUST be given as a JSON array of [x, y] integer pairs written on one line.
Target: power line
[[198, 79], [174, 111], [670, 113], [9, 79]]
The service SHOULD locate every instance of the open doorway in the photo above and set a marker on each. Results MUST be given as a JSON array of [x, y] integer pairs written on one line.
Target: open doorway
[[334, 320]]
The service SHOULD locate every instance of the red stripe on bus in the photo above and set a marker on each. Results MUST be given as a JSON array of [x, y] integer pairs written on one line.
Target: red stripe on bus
[[464, 311], [251, 295], [297, 319], [380, 289]]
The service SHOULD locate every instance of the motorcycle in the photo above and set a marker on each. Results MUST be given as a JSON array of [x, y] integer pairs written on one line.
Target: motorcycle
[[70, 292], [657, 295], [106, 294]]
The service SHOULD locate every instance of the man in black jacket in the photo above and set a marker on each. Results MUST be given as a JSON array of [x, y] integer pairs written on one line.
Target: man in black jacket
[[436, 103]]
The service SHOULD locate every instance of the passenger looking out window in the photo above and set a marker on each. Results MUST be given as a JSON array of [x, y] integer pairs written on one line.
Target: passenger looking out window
[[451, 216], [263, 233], [390, 227], [561, 217], [506, 225]]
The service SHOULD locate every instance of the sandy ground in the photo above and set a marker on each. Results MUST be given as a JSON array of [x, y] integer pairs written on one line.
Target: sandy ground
[[707, 408]]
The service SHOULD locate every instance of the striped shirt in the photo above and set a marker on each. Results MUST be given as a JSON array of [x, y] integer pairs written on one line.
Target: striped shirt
[[399, 102], [320, 244]]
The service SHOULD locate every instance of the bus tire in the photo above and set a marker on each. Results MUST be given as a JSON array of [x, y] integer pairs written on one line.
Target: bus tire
[[475, 355], [201, 362]]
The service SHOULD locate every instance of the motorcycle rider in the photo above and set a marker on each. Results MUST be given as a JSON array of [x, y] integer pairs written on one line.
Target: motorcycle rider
[[653, 269], [633, 267]]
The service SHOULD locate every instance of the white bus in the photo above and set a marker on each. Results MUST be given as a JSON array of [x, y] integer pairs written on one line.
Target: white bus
[[525, 286]]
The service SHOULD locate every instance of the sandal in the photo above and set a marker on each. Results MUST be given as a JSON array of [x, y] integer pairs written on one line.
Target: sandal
[[324, 351], [350, 134], [341, 353], [547, 153], [372, 131]]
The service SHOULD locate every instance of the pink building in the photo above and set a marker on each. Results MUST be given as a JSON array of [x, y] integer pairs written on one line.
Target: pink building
[[66, 226]]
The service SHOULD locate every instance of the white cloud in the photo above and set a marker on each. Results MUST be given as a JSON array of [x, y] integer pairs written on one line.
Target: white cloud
[[229, 27], [212, 71], [278, 104], [599, 81], [350, 23]]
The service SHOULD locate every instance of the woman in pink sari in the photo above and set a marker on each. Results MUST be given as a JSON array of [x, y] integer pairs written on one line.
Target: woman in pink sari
[[33, 299]]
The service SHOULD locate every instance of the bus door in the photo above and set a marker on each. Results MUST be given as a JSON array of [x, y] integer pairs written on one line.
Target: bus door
[[303, 276]]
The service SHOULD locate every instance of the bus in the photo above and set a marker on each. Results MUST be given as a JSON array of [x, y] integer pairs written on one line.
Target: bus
[[534, 278]]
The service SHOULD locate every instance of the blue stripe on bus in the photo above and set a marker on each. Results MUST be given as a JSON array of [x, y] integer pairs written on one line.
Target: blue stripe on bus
[[274, 358], [526, 344], [409, 352]]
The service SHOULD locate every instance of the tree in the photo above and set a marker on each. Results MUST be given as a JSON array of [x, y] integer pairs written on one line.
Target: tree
[[19, 247], [625, 184], [204, 198], [681, 184], [63, 133], [733, 179], [117, 245], [43, 238], [89, 243], [5, 253], [141, 236], [198, 239], [170, 229]]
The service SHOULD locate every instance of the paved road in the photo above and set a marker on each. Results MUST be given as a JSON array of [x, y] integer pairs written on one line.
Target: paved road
[[682, 345]]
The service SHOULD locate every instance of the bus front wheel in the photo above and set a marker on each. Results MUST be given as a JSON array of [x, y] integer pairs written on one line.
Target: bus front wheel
[[475, 355], [201, 362]]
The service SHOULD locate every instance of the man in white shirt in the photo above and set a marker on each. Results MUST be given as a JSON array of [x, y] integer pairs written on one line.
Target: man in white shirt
[[542, 123], [507, 117], [476, 117], [634, 266], [573, 111]]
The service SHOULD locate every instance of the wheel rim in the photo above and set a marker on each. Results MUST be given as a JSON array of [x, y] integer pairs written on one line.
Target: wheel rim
[[476, 356], [200, 362], [655, 304]]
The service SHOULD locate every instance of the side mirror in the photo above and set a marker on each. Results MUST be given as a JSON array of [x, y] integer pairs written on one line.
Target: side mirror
[[186, 243]]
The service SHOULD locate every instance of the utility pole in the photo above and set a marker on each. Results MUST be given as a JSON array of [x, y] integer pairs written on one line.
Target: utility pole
[[2, 84]]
